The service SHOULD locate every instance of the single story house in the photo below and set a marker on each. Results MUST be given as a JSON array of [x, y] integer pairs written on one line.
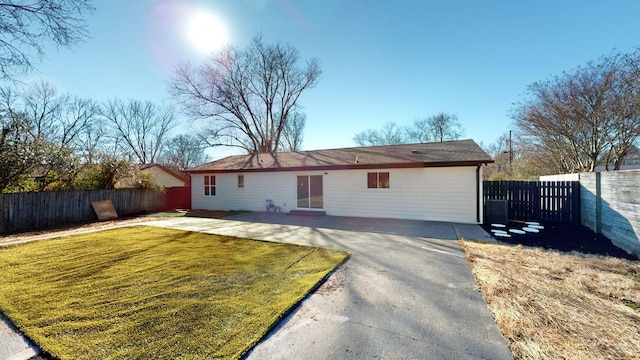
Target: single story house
[[164, 176], [434, 181]]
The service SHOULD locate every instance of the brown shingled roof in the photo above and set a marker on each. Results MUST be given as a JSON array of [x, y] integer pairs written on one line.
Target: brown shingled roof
[[448, 153]]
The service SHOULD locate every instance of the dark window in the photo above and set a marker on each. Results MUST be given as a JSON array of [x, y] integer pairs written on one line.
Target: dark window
[[372, 180], [383, 180], [378, 180], [240, 181], [303, 191]]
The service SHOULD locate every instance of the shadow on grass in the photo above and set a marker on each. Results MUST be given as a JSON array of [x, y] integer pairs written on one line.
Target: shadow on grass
[[163, 276], [212, 214]]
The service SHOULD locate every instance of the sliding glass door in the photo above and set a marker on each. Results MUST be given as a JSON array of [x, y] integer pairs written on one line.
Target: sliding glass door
[[310, 192]]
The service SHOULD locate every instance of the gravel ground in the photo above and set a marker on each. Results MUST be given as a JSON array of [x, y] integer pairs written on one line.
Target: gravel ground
[[566, 238]]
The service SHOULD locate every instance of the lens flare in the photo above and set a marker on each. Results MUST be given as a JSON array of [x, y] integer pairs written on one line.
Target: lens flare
[[206, 32], [179, 32]]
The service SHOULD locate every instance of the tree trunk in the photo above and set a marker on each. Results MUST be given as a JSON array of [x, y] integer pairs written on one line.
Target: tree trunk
[[619, 160]]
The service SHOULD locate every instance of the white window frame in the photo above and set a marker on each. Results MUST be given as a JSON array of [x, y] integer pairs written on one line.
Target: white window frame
[[309, 197], [209, 183]]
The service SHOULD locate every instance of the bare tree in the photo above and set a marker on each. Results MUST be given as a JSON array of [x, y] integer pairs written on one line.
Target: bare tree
[[91, 142], [419, 131], [78, 120], [248, 94], [625, 113], [49, 124], [436, 128], [58, 121], [59, 118], [138, 128], [184, 151], [292, 133], [499, 152], [389, 134], [512, 161], [570, 118], [445, 127], [26, 25], [43, 105], [16, 157]]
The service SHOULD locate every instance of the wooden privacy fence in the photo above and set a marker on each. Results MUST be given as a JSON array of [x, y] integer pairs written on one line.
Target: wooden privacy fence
[[178, 198], [544, 201], [35, 210]]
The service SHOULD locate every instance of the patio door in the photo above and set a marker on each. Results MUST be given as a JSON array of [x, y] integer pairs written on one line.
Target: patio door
[[310, 192]]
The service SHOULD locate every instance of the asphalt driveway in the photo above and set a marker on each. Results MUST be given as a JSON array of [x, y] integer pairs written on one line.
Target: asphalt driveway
[[406, 292]]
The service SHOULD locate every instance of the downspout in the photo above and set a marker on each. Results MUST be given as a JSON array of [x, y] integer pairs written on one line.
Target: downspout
[[478, 193]]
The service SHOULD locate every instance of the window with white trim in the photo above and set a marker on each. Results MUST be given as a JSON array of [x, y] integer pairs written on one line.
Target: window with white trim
[[378, 180], [209, 185], [240, 181]]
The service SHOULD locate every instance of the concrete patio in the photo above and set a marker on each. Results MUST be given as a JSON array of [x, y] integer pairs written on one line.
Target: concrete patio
[[406, 292]]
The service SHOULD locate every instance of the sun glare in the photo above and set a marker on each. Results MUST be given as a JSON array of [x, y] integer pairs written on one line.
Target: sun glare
[[206, 32]]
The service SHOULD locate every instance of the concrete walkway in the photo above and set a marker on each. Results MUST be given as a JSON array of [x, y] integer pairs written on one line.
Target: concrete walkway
[[14, 346], [406, 291]]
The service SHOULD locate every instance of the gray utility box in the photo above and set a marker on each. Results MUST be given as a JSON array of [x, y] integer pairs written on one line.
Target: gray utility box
[[496, 211]]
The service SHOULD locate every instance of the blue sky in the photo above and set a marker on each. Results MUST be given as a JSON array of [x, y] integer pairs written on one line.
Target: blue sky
[[382, 60]]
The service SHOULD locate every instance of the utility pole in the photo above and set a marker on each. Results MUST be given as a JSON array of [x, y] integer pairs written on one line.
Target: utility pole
[[510, 153]]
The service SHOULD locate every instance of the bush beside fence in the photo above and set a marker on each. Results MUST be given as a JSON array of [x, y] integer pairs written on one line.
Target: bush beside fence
[[36, 210]]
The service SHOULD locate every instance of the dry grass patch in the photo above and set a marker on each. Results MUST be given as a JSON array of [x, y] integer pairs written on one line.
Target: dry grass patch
[[552, 305], [151, 293]]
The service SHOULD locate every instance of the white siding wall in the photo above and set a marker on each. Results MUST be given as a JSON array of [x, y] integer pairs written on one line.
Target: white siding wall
[[440, 194], [258, 187]]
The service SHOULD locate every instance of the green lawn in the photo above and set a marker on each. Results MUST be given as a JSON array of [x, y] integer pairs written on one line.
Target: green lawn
[[145, 292]]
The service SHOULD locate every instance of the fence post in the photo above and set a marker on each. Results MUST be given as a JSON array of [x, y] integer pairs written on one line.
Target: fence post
[[3, 215], [598, 203], [536, 200], [576, 206]]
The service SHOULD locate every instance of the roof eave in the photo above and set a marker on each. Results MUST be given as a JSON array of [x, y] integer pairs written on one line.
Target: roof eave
[[346, 167]]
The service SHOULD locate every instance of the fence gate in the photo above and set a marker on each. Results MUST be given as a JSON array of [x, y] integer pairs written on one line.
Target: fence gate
[[544, 201], [178, 198]]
